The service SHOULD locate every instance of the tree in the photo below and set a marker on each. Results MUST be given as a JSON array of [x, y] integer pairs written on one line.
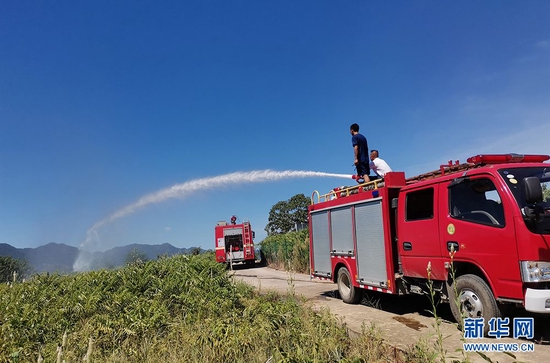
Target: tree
[[12, 269], [285, 215], [545, 192], [136, 256]]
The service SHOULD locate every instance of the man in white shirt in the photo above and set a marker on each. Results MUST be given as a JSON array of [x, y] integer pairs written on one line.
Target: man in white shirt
[[379, 166]]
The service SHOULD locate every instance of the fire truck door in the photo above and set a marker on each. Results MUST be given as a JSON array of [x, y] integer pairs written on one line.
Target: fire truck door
[[479, 223], [418, 232]]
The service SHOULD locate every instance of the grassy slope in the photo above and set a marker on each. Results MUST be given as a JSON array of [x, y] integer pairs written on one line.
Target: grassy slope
[[171, 310]]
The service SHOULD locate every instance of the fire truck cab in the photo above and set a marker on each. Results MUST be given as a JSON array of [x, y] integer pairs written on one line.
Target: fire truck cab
[[477, 233]]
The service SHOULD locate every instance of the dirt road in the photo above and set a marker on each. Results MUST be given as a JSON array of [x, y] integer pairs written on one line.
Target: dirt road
[[403, 320]]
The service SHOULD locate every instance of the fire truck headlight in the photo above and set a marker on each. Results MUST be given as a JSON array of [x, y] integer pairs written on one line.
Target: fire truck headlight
[[535, 271]]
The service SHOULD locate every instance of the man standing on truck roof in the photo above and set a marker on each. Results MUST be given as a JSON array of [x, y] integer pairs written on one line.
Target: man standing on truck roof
[[361, 151]]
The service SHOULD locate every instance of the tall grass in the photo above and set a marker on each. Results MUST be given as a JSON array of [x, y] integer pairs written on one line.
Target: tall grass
[[289, 251], [183, 308]]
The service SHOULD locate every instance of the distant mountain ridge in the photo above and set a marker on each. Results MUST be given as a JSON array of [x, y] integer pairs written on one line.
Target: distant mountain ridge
[[59, 257]]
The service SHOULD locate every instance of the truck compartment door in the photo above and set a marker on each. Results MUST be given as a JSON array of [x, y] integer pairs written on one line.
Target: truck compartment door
[[321, 244], [342, 232], [371, 253]]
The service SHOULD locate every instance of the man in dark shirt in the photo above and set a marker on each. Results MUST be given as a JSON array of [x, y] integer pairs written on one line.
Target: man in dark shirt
[[361, 152]]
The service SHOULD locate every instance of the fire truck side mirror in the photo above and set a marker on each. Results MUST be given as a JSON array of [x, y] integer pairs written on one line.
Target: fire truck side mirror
[[253, 234], [532, 190]]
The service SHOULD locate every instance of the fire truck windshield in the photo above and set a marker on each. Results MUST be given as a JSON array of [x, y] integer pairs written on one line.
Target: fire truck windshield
[[513, 178]]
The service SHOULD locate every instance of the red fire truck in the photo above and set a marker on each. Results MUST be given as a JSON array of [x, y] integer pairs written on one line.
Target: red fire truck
[[478, 231], [234, 242]]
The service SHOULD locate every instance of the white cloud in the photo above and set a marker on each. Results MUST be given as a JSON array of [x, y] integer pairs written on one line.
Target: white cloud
[[531, 140], [519, 138], [497, 123], [167, 228]]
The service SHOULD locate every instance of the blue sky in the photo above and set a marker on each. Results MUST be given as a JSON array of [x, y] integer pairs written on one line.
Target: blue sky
[[103, 102]]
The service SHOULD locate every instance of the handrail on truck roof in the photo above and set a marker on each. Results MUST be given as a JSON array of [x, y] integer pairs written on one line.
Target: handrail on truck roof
[[451, 167], [345, 191]]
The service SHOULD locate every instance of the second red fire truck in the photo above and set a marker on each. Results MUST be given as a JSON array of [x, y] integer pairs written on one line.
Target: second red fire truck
[[477, 232], [234, 242]]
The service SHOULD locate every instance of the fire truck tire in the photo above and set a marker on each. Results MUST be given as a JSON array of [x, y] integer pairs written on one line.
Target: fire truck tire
[[349, 293], [475, 300]]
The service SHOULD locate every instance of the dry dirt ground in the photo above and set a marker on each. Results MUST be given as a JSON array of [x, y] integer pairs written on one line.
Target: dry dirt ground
[[402, 320]]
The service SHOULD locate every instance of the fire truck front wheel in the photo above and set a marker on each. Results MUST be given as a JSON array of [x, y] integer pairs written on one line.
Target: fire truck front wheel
[[475, 300], [349, 293]]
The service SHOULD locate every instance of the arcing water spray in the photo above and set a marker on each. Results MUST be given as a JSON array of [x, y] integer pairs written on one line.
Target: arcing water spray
[[184, 189]]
